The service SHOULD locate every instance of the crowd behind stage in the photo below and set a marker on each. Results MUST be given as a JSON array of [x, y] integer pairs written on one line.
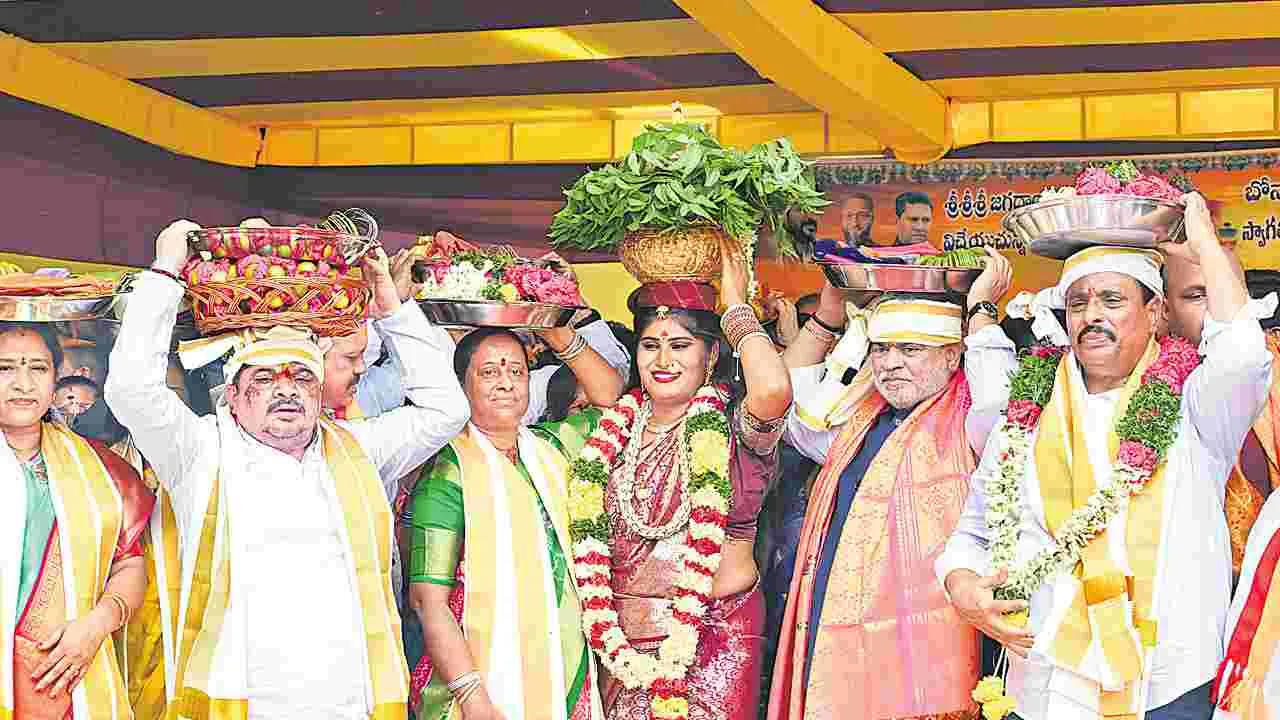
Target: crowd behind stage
[[836, 513]]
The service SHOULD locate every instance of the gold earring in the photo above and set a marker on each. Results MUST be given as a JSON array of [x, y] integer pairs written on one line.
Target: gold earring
[[711, 369]]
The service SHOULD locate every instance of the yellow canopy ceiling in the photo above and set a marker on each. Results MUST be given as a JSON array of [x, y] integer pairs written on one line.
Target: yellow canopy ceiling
[[333, 84]]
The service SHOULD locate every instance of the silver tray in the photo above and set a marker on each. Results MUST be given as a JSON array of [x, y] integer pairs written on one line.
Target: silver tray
[[1059, 227], [55, 309], [900, 278], [516, 315]]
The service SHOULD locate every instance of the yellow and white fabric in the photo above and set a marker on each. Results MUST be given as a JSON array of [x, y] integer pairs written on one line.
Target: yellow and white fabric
[[511, 619], [276, 346], [147, 651], [892, 320], [85, 498], [229, 647], [1193, 563], [302, 547]]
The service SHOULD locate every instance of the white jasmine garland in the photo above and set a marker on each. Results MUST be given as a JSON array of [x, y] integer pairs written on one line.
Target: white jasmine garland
[[662, 675]]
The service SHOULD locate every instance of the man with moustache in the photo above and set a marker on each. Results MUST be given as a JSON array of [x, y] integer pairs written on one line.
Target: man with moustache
[[284, 528], [868, 633], [1255, 473], [1135, 628]]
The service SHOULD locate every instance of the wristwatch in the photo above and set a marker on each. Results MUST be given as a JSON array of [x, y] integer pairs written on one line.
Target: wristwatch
[[986, 308]]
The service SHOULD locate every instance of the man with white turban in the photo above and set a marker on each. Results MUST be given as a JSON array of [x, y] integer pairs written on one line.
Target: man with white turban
[[868, 633], [1129, 589], [285, 532]]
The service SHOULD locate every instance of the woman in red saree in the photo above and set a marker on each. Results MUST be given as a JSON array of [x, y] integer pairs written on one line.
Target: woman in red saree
[[680, 351], [71, 570]]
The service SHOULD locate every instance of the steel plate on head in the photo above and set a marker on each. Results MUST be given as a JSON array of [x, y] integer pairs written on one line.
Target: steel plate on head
[[524, 315], [901, 278], [1060, 227], [54, 309]]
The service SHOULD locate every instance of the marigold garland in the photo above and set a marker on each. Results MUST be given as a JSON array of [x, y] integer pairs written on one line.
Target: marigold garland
[[706, 435], [1147, 430]]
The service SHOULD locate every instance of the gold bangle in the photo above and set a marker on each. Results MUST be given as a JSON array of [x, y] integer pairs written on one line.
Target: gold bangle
[[121, 605]]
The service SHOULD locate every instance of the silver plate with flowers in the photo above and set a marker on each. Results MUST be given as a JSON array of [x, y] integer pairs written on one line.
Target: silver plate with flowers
[[1061, 226], [513, 315]]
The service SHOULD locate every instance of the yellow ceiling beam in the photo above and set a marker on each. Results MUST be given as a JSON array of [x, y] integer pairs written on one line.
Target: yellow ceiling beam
[[237, 56], [41, 76], [1035, 27], [539, 141], [711, 101], [803, 49], [1013, 87], [1236, 113]]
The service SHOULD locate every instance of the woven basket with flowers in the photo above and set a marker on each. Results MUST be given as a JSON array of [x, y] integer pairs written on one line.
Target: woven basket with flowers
[[261, 277]]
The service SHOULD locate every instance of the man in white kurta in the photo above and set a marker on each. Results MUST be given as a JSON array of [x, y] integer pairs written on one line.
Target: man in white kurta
[[1107, 313], [300, 630]]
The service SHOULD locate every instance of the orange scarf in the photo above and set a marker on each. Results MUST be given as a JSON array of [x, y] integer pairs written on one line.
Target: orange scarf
[[890, 644]]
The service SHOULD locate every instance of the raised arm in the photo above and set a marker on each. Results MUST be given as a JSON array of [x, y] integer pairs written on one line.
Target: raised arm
[[164, 429], [406, 437], [819, 335], [768, 383], [1227, 392], [598, 377], [990, 357]]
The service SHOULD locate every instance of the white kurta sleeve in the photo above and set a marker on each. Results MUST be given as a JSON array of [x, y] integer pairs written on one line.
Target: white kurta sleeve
[[165, 430], [811, 442], [990, 358], [1224, 396], [406, 437]]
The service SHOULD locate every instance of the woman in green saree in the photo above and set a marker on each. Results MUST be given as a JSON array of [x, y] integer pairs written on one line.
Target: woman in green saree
[[503, 633]]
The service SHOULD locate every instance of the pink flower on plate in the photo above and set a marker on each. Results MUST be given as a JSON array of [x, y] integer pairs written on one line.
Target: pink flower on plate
[[1152, 186], [1023, 413], [559, 290], [1138, 456], [1097, 181]]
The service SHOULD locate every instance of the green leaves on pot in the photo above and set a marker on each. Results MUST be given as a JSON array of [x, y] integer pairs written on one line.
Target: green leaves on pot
[[678, 175]]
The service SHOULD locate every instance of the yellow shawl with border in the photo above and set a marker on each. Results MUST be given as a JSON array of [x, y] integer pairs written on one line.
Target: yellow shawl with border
[[207, 592], [1111, 612], [89, 511]]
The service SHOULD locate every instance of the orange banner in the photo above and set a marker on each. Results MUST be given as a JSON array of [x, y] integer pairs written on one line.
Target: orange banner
[[960, 204]]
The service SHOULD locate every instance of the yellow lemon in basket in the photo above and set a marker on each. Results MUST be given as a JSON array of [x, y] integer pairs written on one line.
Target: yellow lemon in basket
[[219, 276], [276, 271], [275, 302], [284, 251], [340, 299]]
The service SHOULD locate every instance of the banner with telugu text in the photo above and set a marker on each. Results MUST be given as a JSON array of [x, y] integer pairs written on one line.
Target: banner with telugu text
[[968, 199]]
